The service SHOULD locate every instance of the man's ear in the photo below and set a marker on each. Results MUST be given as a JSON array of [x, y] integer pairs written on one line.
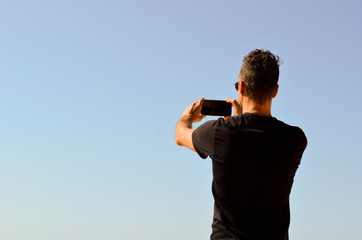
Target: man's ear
[[242, 88], [276, 91]]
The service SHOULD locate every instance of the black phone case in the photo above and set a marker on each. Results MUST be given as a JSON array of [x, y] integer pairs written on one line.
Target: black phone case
[[216, 108]]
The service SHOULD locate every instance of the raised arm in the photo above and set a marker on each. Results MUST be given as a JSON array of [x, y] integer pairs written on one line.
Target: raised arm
[[184, 130]]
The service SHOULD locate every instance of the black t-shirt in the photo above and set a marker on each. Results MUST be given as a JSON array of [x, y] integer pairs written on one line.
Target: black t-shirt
[[254, 161]]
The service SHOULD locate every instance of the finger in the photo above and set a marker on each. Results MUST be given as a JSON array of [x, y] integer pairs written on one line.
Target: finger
[[232, 101], [192, 107], [229, 100], [198, 105], [200, 102]]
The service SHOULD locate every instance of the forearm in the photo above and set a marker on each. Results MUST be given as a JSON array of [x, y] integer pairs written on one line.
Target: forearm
[[183, 132]]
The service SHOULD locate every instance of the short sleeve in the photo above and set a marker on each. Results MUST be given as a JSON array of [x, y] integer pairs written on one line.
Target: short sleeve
[[303, 142], [203, 139]]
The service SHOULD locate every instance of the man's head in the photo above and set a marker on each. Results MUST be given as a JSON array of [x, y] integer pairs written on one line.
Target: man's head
[[260, 73]]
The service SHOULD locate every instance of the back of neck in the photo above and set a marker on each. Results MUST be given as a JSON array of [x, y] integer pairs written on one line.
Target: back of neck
[[261, 109]]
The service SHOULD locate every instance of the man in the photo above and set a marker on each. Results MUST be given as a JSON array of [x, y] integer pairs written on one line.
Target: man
[[254, 155]]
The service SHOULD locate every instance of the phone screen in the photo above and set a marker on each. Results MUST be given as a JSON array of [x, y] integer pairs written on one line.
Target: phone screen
[[216, 108]]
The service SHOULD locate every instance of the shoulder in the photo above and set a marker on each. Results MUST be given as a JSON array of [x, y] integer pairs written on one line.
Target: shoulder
[[205, 129], [294, 132], [301, 136], [220, 122], [209, 128]]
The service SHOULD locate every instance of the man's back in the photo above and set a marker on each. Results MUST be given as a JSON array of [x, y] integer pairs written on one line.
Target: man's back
[[254, 162]]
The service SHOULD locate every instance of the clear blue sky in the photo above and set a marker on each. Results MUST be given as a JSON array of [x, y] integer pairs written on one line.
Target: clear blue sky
[[91, 92]]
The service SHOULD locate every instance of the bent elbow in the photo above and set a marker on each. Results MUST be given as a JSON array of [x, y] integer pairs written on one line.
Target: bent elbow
[[178, 140]]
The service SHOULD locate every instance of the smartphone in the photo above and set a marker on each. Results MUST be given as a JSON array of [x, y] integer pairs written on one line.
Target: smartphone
[[216, 108]]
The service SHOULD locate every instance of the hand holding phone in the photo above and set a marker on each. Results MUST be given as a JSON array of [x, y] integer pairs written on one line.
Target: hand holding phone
[[216, 108]]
